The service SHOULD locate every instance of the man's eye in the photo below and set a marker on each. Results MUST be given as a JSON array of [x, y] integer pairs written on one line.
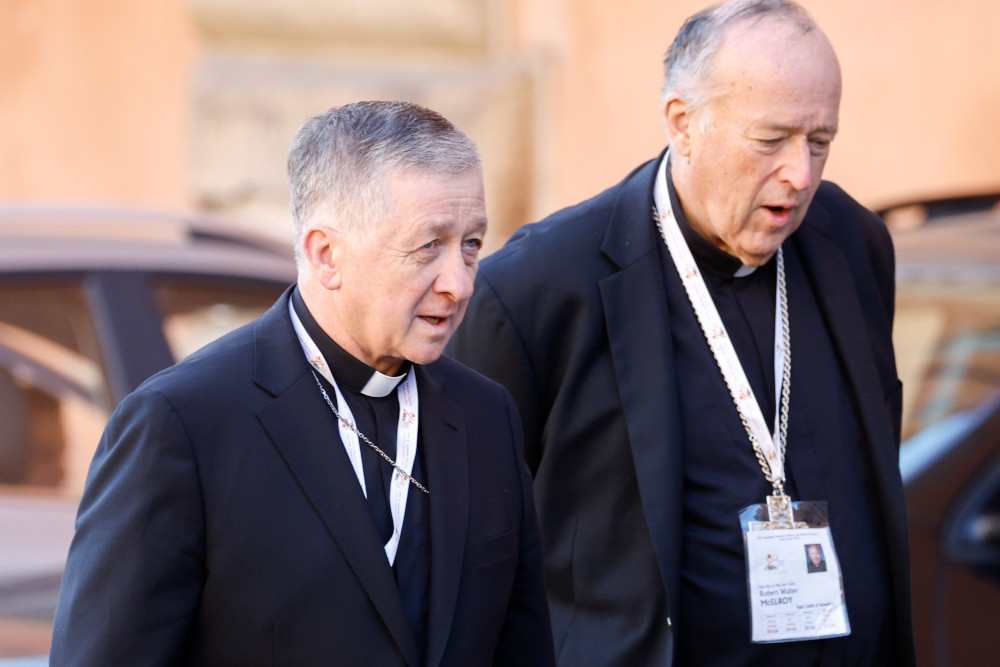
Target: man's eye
[[430, 245], [473, 244]]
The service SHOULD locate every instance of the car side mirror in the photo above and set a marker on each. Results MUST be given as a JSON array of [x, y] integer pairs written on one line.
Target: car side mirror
[[972, 532]]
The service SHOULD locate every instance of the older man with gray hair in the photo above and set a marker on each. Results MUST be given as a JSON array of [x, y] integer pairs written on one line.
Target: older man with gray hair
[[318, 488], [703, 360]]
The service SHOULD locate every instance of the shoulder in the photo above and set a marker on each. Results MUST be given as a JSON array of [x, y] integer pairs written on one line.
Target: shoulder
[[573, 235], [223, 371], [488, 406], [562, 258], [575, 232], [860, 235], [462, 385], [186, 398], [221, 362], [858, 231], [841, 216]]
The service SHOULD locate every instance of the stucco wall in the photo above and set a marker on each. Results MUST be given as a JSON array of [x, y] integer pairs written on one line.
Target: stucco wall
[[93, 101], [191, 104], [918, 115]]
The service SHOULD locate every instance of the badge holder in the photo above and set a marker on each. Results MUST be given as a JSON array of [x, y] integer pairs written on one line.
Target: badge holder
[[794, 582]]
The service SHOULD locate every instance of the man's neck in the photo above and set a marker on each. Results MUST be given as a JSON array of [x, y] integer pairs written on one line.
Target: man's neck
[[349, 371], [707, 253]]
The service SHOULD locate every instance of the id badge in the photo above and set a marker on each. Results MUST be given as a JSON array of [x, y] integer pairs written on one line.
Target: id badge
[[794, 582]]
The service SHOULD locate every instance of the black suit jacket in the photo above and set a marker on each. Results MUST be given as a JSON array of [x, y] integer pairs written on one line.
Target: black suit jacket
[[571, 317], [222, 524], [813, 567]]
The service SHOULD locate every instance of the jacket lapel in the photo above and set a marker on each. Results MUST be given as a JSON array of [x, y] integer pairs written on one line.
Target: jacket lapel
[[314, 456], [832, 282], [446, 458], [635, 310]]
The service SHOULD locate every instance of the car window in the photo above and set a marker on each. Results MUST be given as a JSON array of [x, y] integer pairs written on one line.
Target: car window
[[54, 394], [947, 338], [197, 312]]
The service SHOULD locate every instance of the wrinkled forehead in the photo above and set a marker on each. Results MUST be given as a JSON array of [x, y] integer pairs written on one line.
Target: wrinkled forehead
[[775, 64], [398, 176], [416, 192], [776, 41]]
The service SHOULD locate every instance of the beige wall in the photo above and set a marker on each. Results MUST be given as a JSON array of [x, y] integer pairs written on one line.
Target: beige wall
[[918, 115], [93, 101], [191, 104], [921, 97]]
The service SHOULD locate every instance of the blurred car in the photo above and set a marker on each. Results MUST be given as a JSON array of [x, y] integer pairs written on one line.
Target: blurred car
[[947, 338], [92, 303]]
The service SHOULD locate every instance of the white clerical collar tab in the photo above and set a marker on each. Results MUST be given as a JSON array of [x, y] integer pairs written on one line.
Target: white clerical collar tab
[[744, 271], [380, 386]]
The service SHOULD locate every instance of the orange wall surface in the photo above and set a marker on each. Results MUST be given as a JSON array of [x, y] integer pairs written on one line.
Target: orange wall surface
[[95, 95], [93, 100], [918, 115]]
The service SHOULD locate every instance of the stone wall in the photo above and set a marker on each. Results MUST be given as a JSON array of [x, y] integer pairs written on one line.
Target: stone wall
[[191, 104], [268, 65]]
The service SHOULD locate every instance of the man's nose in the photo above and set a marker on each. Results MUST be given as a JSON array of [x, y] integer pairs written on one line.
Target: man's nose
[[796, 168], [456, 278]]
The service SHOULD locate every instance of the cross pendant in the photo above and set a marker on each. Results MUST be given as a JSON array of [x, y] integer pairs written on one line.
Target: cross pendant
[[780, 514]]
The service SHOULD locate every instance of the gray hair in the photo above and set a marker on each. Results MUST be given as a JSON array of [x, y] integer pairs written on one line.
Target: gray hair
[[340, 162], [689, 59]]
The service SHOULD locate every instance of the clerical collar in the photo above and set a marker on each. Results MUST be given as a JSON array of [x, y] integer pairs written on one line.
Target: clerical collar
[[349, 371], [706, 254]]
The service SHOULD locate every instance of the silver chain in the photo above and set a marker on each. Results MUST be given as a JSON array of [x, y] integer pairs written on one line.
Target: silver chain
[[364, 439], [786, 383]]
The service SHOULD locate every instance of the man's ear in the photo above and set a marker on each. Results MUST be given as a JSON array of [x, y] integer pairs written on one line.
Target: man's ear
[[679, 119], [323, 249]]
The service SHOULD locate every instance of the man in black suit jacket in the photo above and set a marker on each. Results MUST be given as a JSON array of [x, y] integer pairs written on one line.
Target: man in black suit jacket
[[642, 463], [318, 487]]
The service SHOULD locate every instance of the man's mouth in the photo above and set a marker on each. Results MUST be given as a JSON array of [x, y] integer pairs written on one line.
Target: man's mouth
[[780, 214], [433, 320]]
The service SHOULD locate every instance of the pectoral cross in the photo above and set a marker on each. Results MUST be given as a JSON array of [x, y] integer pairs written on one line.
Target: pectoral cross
[[780, 515]]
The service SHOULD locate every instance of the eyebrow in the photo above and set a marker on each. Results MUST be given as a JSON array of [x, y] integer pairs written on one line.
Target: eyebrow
[[792, 129], [438, 228]]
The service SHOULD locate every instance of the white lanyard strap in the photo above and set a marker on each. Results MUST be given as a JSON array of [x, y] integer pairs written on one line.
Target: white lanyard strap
[[769, 448], [406, 434]]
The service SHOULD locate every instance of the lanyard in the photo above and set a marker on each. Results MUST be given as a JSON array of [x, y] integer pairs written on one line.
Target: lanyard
[[406, 434], [768, 447]]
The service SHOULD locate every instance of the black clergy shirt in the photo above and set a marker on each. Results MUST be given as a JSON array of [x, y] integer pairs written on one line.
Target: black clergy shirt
[[826, 460], [377, 418]]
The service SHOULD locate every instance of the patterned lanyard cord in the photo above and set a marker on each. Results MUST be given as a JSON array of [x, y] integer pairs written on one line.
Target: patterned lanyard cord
[[364, 439], [701, 302]]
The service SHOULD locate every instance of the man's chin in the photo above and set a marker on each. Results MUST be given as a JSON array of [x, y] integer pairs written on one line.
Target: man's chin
[[757, 259], [761, 255], [428, 354]]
